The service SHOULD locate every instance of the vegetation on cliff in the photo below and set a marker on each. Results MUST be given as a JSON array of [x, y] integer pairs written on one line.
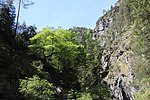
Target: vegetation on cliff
[[126, 29]]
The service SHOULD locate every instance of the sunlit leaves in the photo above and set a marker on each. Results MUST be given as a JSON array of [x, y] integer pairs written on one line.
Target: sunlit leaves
[[37, 88], [59, 48]]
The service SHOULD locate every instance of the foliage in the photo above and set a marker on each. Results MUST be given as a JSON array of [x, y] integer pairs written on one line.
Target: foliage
[[84, 96], [58, 47], [50, 42], [141, 17], [100, 92], [143, 94], [90, 74], [72, 94], [24, 32], [7, 17], [38, 65], [140, 14], [37, 88], [96, 92], [75, 60]]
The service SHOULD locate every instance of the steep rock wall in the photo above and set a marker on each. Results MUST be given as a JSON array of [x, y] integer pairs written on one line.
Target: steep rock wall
[[116, 41]]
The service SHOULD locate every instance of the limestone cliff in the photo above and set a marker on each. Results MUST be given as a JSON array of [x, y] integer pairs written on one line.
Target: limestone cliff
[[115, 38]]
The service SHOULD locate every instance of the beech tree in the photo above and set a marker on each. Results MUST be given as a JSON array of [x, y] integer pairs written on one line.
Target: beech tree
[[58, 47]]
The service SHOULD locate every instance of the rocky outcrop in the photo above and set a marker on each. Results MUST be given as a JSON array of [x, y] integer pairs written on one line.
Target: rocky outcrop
[[117, 55]]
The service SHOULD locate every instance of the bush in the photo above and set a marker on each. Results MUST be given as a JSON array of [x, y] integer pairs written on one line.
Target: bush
[[84, 96], [37, 88]]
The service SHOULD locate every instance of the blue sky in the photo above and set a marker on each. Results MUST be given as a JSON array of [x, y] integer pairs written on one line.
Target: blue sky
[[64, 13]]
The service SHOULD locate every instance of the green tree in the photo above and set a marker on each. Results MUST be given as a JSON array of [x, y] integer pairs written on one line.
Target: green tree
[[37, 88], [90, 73], [24, 33], [59, 48], [7, 17]]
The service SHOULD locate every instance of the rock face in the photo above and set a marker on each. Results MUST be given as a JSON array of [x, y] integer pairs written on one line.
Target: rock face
[[117, 54]]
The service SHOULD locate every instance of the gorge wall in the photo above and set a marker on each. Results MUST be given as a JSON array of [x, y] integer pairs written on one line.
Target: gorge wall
[[115, 36]]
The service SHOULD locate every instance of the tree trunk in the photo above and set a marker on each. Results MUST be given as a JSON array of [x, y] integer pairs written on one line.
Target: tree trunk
[[18, 14]]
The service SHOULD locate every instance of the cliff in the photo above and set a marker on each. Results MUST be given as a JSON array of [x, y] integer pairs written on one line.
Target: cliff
[[123, 32], [115, 32]]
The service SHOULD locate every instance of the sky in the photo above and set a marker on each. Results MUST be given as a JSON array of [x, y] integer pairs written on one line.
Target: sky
[[64, 13]]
